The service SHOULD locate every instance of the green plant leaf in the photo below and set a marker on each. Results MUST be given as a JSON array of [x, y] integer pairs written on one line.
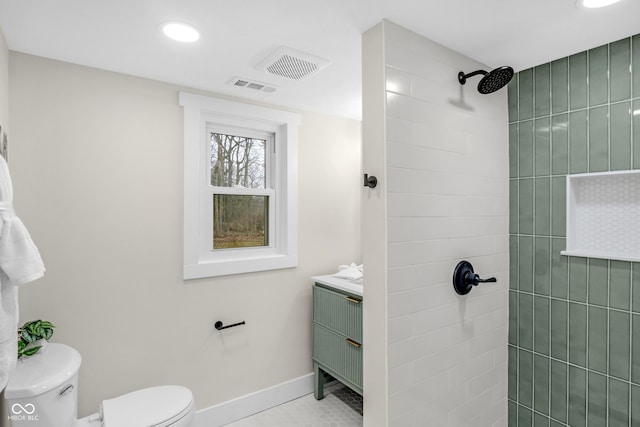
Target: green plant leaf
[[47, 333], [32, 328], [31, 351], [27, 336], [30, 332]]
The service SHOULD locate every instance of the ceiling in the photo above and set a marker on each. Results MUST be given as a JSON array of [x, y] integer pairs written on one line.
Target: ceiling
[[124, 36]]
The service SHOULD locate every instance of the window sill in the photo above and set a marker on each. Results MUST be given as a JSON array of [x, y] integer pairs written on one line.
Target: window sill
[[213, 268]]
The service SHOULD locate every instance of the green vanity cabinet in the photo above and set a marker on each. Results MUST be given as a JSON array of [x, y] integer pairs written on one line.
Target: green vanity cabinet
[[337, 337]]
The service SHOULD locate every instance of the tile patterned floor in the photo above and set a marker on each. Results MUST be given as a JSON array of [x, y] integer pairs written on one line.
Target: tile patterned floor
[[340, 407]]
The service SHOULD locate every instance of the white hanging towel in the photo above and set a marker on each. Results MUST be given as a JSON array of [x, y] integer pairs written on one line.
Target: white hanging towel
[[20, 263]]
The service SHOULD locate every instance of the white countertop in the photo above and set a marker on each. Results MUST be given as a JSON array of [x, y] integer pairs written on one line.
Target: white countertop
[[353, 286]]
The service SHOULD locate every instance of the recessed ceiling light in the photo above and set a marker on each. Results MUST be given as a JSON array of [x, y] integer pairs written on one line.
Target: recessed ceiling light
[[592, 4], [180, 32]]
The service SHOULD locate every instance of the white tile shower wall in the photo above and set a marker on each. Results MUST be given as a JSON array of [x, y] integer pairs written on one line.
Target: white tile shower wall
[[447, 200]]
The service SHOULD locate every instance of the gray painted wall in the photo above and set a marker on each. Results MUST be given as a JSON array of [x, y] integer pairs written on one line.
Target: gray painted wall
[[97, 163]]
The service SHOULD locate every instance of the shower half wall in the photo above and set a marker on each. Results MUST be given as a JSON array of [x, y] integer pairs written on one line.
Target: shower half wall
[[440, 153]]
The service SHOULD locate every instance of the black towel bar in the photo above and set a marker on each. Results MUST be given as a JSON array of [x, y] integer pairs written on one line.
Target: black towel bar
[[219, 326]]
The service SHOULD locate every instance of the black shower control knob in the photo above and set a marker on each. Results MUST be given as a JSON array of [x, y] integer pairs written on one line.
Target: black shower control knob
[[464, 279], [474, 279], [471, 279]]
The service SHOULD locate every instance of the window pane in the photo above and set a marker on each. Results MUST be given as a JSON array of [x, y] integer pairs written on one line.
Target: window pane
[[237, 161], [240, 221]]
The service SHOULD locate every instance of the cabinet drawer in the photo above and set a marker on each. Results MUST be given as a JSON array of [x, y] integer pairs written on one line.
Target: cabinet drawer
[[339, 312], [335, 351]]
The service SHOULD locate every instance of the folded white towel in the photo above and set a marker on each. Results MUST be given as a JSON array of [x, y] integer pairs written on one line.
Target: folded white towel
[[350, 272], [20, 262]]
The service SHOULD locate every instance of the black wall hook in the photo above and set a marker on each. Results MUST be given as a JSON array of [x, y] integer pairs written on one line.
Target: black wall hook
[[464, 279], [370, 181], [219, 325]]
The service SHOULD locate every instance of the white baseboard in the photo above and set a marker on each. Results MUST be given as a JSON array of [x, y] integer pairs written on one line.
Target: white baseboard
[[242, 407]]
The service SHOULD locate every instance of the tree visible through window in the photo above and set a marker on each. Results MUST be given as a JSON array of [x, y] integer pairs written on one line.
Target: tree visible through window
[[237, 161], [239, 171]]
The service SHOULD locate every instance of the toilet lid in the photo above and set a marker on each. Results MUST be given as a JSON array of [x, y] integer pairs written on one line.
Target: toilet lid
[[149, 407]]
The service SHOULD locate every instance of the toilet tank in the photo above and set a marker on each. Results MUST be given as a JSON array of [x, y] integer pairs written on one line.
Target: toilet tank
[[43, 389]]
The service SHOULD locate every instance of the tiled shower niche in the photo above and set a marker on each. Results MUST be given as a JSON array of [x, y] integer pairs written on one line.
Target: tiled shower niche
[[574, 322], [603, 209]]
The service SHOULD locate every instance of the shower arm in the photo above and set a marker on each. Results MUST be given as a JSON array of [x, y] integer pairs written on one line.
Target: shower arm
[[462, 77]]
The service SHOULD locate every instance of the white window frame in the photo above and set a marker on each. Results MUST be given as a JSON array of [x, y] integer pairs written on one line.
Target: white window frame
[[201, 114]]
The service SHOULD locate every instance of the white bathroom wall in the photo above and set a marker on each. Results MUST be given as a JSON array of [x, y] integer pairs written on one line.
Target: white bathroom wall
[[4, 82], [97, 163], [445, 199], [4, 121]]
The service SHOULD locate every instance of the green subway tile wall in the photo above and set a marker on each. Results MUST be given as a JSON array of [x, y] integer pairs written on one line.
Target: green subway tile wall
[[574, 323]]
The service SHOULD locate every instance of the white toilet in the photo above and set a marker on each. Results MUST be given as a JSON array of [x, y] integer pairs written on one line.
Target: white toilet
[[43, 391]]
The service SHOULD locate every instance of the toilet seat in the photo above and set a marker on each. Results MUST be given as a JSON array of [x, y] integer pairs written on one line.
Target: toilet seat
[[150, 407]]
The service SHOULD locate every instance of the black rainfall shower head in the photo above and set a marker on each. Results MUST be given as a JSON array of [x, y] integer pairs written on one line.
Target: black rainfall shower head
[[492, 81]]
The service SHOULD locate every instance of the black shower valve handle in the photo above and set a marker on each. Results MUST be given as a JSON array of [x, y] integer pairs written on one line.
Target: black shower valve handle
[[464, 278], [474, 279]]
